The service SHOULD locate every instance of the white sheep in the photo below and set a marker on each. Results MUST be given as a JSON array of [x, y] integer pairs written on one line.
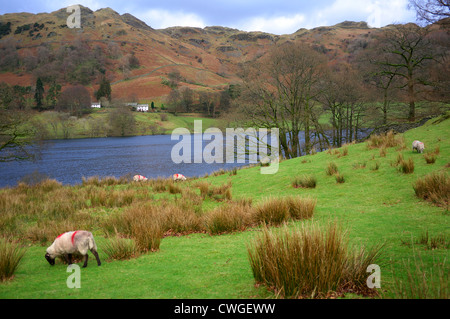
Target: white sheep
[[418, 146], [178, 177], [138, 178], [73, 242]]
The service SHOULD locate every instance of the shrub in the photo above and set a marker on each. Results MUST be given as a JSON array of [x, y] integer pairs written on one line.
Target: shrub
[[331, 169], [434, 187], [309, 261], [304, 181], [10, 256], [406, 166]]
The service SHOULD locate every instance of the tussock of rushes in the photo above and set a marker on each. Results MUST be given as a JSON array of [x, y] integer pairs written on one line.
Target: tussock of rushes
[[340, 179], [272, 211], [406, 166], [399, 159], [434, 187], [275, 211], [228, 218], [422, 282], [375, 166], [174, 189], [331, 169], [304, 181], [118, 248], [430, 158], [385, 140], [10, 256], [300, 207], [145, 225], [219, 193], [105, 181], [309, 261]]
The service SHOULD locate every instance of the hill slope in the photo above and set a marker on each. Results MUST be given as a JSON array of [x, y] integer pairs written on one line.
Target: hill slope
[[375, 205], [207, 59]]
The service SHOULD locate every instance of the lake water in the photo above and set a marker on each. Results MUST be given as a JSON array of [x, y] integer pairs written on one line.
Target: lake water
[[68, 161]]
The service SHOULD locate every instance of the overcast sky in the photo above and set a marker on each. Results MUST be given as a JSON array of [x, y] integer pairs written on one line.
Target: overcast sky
[[273, 16]]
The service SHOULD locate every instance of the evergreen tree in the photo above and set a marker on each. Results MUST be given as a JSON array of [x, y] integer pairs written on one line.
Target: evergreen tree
[[39, 94], [104, 90]]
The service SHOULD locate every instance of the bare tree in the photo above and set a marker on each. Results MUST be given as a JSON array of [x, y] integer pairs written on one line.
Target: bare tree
[[18, 139], [121, 120], [281, 91], [431, 10], [405, 51], [76, 100]]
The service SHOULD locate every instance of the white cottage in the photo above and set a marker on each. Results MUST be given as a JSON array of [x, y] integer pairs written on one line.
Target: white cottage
[[142, 108], [96, 105]]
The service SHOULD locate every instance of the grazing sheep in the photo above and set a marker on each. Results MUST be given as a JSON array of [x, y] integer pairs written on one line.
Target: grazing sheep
[[178, 177], [418, 146], [72, 242], [138, 178]]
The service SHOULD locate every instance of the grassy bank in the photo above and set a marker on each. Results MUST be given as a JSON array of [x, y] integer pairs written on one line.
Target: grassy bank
[[375, 203], [97, 124]]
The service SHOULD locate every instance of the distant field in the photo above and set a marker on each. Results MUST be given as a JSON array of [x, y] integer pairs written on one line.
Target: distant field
[[96, 124]]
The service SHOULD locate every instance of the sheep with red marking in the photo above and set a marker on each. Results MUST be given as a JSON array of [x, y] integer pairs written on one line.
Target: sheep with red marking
[[73, 242], [138, 178], [178, 177], [418, 146]]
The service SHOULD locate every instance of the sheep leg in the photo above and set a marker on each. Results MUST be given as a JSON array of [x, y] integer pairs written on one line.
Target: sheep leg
[[69, 258], [85, 260], [94, 252]]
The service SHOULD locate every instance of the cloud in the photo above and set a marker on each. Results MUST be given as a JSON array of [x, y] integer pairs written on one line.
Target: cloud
[[275, 24], [160, 18]]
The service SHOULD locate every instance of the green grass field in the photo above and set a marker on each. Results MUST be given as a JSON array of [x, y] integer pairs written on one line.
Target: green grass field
[[374, 205]]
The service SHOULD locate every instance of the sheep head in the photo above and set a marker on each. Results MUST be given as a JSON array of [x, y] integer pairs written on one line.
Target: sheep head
[[50, 260]]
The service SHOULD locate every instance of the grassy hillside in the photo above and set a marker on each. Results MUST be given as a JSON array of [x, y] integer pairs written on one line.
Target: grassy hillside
[[376, 204], [97, 124]]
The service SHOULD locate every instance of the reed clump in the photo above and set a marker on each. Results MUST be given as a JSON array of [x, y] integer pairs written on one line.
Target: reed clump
[[434, 187], [309, 262]]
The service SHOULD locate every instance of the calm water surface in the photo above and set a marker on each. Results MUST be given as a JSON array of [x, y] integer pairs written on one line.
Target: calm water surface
[[68, 161]]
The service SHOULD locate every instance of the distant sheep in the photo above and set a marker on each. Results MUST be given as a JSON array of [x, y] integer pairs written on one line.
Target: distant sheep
[[138, 178], [178, 177], [73, 242], [418, 146]]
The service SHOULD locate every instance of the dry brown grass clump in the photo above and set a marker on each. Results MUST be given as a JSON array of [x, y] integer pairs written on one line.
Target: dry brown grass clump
[[385, 141], [406, 166], [275, 211], [309, 262], [331, 169], [304, 181], [219, 193], [434, 187], [228, 218], [10, 256]]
